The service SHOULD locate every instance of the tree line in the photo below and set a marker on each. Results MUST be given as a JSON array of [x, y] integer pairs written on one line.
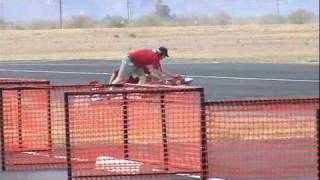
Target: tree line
[[162, 17]]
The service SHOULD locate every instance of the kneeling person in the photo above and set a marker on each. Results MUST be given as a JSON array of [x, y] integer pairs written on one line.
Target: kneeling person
[[137, 62]]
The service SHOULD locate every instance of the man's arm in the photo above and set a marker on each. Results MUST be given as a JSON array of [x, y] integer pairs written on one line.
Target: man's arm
[[157, 74], [169, 74]]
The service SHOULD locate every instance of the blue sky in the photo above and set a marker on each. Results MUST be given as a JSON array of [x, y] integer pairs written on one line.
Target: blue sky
[[24, 10]]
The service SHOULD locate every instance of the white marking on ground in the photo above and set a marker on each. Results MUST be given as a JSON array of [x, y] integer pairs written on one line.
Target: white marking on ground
[[197, 177], [193, 76], [53, 72], [259, 79], [93, 64], [18, 64], [54, 156], [25, 61], [174, 63], [112, 164]]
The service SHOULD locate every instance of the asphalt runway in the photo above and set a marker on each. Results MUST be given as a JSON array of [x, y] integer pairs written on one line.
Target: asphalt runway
[[220, 80]]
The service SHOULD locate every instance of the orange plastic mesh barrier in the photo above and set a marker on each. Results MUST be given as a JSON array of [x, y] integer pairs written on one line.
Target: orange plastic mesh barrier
[[18, 82], [134, 132], [33, 126], [262, 139]]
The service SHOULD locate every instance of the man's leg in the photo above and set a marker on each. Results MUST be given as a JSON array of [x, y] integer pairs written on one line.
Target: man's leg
[[139, 72], [142, 79], [112, 78], [125, 70], [117, 80]]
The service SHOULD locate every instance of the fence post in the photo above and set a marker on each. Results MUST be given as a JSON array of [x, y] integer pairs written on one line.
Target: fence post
[[68, 141], [19, 99], [164, 132], [125, 126], [318, 141], [203, 135], [49, 119], [3, 160]]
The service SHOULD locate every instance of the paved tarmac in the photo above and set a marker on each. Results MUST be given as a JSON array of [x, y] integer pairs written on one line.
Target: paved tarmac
[[220, 80]]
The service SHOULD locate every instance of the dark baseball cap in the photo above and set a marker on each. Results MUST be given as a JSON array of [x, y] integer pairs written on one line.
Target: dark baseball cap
[[163, 51]]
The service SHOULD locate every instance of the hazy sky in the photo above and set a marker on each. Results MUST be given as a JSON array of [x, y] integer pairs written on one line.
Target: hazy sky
[[97, 9]]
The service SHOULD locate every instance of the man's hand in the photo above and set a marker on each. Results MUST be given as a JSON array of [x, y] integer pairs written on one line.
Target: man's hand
[[157, 74]]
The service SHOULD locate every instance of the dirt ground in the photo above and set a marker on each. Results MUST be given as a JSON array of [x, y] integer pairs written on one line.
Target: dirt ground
[[235, 43]]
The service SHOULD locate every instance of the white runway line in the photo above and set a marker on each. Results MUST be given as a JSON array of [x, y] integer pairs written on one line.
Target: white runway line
[[259, 79], [29, 64], [193, 76], [53, 72], [25, 61], [187, 63], [94, 64]]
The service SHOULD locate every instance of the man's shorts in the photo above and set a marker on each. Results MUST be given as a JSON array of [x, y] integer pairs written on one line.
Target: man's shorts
[[128, 69]]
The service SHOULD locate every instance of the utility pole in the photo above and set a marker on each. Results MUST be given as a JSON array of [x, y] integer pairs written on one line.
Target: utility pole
[[60, 7], [2, 10], [278, 7], [128, 10]]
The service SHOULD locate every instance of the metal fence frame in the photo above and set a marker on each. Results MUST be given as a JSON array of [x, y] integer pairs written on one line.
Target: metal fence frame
[[162, 91], [48, 90]]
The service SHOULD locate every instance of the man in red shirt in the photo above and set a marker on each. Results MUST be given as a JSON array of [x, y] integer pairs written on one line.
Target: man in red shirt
[[139, 61]]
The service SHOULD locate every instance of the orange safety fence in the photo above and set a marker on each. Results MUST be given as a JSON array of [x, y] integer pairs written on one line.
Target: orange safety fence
[[148, 131], [16, 82], [33, 126], [263, 139], [135, 132]]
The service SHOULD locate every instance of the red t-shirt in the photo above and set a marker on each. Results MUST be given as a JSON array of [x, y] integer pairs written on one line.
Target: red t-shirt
[[144, 57]]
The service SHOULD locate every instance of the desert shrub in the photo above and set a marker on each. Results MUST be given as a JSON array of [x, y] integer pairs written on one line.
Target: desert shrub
[[18, 25], [44, 24], [301, 16], [2, 24], [272, 19], [201, 20], [182, 21], [81, 22], [151, 20], [114, 21], [222, 18], [132, 35], [244, 20]]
